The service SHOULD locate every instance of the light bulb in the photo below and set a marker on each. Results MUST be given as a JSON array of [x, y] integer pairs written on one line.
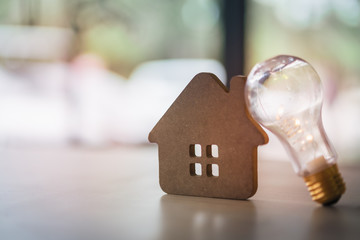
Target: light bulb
[[284, 94]]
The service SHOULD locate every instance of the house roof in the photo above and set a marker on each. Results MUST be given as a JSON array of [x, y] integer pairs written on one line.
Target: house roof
[[206, 104]]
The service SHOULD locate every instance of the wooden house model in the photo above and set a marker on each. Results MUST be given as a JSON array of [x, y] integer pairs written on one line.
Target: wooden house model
[[208, 142]]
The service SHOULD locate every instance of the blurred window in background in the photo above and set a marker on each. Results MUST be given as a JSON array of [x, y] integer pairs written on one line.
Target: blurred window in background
[[325, 33], [99, 72], [125, 33]]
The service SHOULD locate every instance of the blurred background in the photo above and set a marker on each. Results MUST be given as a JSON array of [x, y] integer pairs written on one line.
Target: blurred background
[[101, 73]]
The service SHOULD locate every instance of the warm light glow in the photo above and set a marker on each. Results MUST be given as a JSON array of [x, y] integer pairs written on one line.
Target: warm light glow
[[285, 95], [309, 138]]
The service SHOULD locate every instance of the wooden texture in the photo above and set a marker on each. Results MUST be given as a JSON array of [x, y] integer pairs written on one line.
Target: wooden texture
[[113, 194], [207, 114]]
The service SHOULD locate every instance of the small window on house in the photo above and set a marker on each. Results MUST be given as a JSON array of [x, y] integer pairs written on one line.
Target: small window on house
[[212, 151], [195, 150], [212, 170], [195, 169]]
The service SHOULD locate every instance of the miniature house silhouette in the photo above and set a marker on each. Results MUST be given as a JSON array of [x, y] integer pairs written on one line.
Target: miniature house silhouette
[[208, 142]]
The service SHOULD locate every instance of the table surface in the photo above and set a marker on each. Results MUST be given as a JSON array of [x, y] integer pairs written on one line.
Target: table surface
[[113, 193]]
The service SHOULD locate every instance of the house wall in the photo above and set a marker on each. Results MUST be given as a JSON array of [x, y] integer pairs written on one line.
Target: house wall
[[237, 170]]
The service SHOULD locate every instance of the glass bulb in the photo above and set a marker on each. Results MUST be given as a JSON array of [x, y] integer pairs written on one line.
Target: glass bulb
[[284, 94]]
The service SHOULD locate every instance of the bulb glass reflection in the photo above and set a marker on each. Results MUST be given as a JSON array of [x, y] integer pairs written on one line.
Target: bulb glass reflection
[[285, 95]]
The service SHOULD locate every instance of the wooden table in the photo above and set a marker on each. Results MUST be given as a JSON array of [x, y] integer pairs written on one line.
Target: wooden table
[[79, 193]]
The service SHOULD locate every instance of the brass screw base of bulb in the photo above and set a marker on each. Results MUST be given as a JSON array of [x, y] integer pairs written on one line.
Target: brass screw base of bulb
[[327, 186]]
